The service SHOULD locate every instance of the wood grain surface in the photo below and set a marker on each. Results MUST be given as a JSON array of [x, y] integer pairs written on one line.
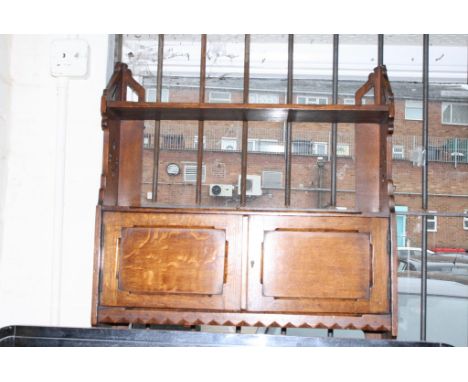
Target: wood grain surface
[[308, 264], [315, 287], [173, 260], [178, 261]]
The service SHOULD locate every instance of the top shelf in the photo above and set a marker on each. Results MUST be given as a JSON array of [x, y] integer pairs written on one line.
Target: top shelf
[[123, 110]]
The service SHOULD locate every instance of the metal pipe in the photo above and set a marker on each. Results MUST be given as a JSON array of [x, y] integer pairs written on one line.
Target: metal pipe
[[334, 126], [320, 165], [157, 124], [425, 139], [245, 124], [380, 49], [288, 142], [201, 126]]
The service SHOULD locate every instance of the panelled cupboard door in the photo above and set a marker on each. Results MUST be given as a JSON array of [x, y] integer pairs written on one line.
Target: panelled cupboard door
[[164, 260], [318, 265]]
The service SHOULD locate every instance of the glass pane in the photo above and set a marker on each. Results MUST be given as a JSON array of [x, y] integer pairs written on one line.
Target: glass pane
[[177, 168], [357, 58], [310, 183], [222, 156], [266, 162], [447, 284], [181, 67], [448, 119], [265, 165], [409, 275], [224, 68], [140, 53], [403, 58], [268, 68], [447, 269]]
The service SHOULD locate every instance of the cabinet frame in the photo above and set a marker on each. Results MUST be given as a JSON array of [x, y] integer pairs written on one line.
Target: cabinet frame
[[120, 195]]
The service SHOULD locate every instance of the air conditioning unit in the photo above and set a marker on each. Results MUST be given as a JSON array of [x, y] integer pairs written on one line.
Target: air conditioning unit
[[254, 185], [221, 190]]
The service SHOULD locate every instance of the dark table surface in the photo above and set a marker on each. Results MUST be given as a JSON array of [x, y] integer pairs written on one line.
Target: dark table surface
[[61, 336]]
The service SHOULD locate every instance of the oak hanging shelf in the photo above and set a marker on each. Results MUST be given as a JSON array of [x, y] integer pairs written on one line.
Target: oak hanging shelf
[[124, 110]]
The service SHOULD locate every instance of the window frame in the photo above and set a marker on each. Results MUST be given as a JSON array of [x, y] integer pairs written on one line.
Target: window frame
[[432, 220], [443, 105], [346, 101], [348, 150], [164, 94], [257, 94], [195, 142], [315, 151], [226, 141], [255, 143], [311, 97], [402, 152], [408, 101], [465, 220], [220, 99]]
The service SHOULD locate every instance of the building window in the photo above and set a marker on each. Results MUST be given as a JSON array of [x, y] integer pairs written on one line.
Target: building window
[[342, 150], [351, 101], [414, 110], [432, 222], [264, 146], [151, 95], [147, 141], [263, 98], [190, 173], [172, 141], [195, 141], [219, 97], [301, 147], [272, 179], [398, 152], [229, 144], [455, 113], [309, 100], [465, 220], [320, 148]]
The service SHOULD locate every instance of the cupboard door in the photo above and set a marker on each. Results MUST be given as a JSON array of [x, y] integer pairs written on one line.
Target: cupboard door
[[318, 264], [171, 261]]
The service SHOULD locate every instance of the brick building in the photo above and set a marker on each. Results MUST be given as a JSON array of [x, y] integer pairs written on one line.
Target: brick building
[[448, 153], [448, 122]]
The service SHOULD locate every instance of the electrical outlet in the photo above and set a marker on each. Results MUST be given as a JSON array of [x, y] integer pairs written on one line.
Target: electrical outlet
[[69, 58]]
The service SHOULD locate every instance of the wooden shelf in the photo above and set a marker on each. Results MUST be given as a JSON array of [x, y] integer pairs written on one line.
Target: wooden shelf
[[122, 110]]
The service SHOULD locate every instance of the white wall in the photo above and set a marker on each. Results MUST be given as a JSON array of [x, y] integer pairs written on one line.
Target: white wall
[[5, 90], [27, 182]]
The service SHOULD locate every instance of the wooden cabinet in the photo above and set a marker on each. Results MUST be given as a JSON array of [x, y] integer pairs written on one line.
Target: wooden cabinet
[[318, 264], [239, 266], [171, 261]]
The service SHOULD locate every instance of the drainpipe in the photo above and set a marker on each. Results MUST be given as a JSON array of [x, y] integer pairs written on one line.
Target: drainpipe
[[320, 166]]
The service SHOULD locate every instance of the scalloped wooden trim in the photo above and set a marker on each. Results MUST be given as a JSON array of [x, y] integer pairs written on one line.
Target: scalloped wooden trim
[[368, 323]]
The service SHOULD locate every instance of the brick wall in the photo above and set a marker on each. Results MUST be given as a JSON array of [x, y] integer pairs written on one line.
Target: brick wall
[[447, 183]]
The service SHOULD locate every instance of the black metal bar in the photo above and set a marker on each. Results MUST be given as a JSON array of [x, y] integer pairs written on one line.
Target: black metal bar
[[380, 49], [245, 124], [425, 141], [334, 126], [157, 124], [201, 126], [288, 135]]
